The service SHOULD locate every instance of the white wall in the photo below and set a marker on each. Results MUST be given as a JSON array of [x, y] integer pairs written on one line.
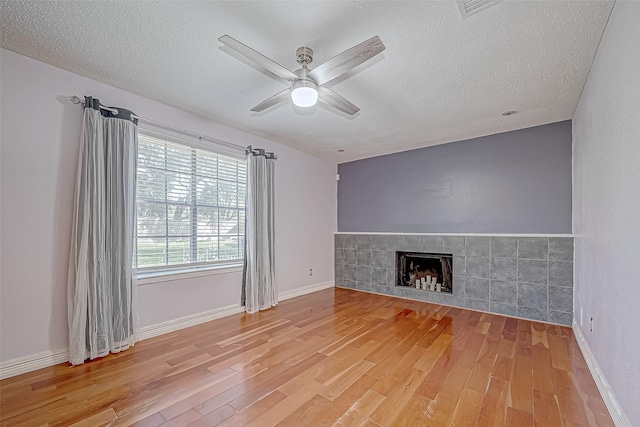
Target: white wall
[[606, 147], [40, 141]]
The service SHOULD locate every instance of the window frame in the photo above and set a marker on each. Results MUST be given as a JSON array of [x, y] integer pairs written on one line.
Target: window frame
[[145, 275]]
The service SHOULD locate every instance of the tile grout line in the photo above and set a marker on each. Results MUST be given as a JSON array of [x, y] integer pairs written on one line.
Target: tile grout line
[[548, 265], [517, 275], [490, 270]]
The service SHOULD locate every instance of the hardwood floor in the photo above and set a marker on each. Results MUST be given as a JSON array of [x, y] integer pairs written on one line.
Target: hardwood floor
[[334, 357]]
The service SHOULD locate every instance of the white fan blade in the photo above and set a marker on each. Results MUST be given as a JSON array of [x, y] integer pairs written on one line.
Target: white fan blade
[[257, 58], [275, 99], [332, 99], [350, 58]]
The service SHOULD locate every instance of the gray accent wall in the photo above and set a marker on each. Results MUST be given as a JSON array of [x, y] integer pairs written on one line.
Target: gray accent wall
[[513, 182], [529, 277]]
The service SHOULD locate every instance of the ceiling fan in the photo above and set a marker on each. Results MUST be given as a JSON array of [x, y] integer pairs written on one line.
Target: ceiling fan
[[307, 85]]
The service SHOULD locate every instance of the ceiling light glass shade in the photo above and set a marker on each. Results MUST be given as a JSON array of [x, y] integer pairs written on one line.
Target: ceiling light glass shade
[[304, 93]]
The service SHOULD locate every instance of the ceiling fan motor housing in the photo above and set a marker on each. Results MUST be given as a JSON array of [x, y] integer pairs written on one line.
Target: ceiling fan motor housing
[[304, 55]]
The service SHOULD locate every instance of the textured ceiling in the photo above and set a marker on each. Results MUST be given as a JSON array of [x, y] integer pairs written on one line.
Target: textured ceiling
[[441, 78]]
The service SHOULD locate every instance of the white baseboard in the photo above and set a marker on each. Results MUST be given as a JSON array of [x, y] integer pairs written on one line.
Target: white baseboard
[[33, 362], [303, 291], [195, 319], [45, 359], [185, 322], [615, 410], [25, 364]]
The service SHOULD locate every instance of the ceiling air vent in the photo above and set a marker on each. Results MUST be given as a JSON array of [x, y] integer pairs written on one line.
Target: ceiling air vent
[[471, 7]]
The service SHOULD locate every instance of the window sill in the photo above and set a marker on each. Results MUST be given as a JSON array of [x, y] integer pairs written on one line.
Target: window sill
[[149, 278]]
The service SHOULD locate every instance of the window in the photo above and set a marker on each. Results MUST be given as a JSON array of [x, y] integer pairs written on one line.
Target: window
[[190, 206]]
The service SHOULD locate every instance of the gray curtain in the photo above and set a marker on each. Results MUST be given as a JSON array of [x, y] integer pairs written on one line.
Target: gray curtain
[[259, 288], [100, 291]]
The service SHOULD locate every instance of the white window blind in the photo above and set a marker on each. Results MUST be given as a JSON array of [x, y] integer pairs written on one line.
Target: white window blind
[[190, 206]]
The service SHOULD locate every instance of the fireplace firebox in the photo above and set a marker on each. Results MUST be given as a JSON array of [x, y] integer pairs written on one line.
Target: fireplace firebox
[[426, 271]]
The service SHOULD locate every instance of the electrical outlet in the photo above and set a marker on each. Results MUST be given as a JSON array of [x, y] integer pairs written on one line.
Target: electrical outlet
[[591, 324], [311, 272]]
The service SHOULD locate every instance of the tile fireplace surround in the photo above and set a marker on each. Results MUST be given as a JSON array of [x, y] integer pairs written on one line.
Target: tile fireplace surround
[[526, 276]]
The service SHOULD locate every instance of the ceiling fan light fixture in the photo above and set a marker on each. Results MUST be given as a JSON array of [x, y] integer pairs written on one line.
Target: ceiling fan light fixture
[[304, 93], [307, 87]]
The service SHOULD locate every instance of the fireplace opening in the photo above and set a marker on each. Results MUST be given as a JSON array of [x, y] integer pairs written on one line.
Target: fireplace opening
[[426, 271]]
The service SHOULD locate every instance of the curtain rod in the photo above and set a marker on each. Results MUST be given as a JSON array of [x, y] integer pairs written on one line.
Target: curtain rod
[[78, 101]]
